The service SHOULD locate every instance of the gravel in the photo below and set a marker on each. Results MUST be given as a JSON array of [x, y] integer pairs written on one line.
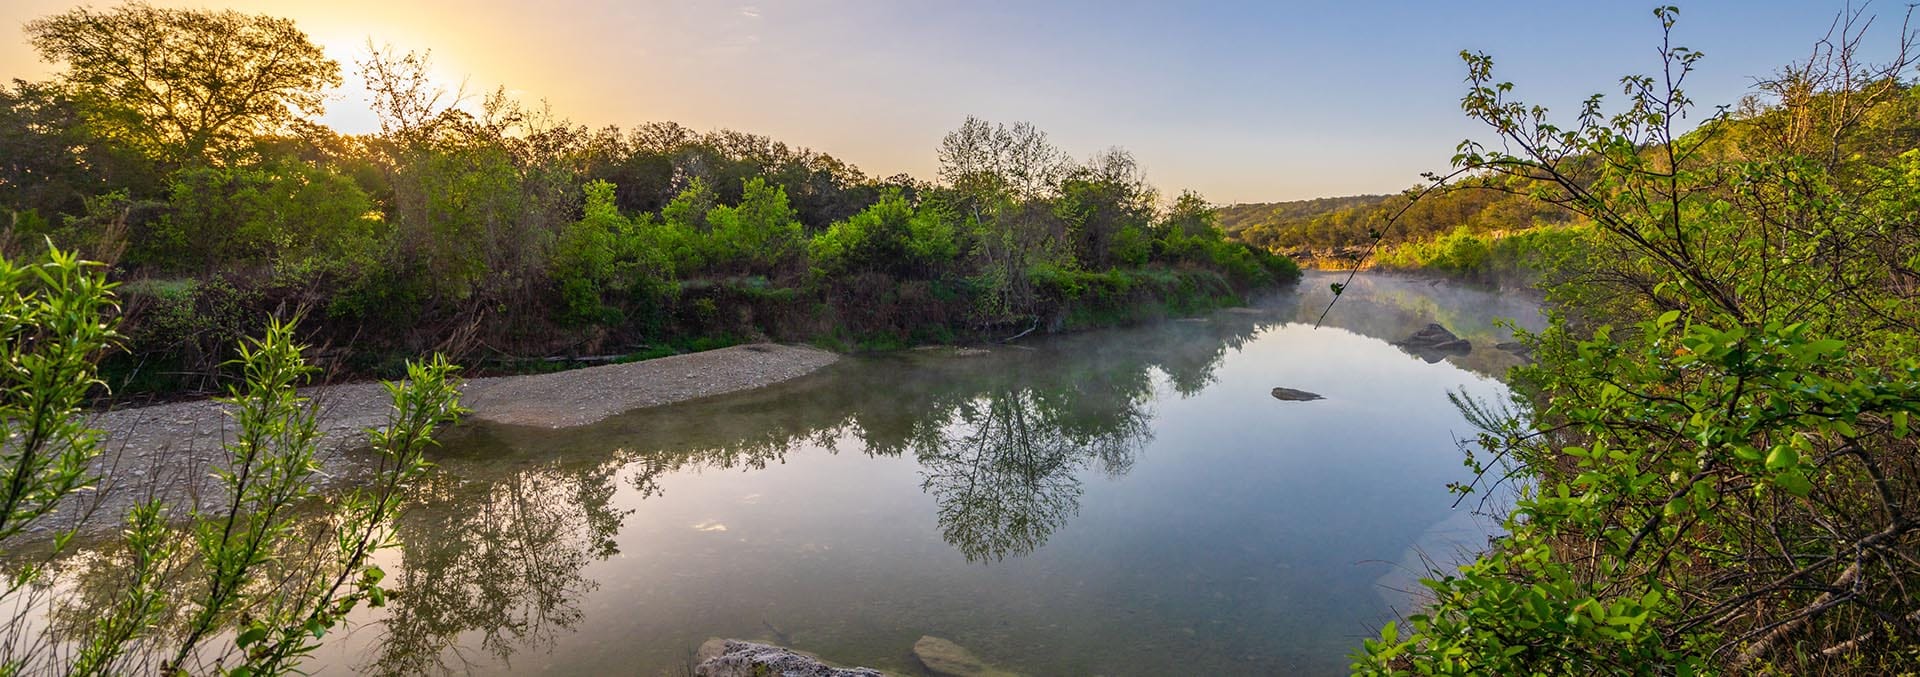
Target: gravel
[[169, 450]]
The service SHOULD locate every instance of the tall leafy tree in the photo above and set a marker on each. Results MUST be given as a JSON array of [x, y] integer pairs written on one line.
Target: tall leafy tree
[[186, 84]]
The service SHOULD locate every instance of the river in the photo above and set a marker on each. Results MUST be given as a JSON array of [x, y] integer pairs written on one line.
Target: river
[[1121, 502]]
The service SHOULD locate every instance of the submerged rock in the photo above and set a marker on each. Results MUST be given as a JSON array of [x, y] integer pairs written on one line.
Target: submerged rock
[[1291, 395], [943, 658], [736, 658]]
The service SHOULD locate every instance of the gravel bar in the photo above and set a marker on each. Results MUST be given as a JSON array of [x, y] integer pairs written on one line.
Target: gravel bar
[[170, 450]]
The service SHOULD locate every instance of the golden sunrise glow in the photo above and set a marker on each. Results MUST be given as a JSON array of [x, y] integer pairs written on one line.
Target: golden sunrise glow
[[1232, 100]]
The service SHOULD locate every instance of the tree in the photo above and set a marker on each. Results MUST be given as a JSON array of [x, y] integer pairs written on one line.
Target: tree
[[985, 159], [283, 213], [186, 84], [888, 237], [1716, 450], [1108, 208], [759, 235], [51, 162]]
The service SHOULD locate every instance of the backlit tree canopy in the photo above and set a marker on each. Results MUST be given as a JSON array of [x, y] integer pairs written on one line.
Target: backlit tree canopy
[[186, 84]]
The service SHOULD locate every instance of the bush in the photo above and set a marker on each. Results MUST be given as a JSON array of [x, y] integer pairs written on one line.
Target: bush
[[890, 237], [241, 586], [603, 264], [758, 236], [284, 213]]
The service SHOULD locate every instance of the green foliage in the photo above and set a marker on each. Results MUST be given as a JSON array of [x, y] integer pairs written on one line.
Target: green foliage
[[1524, 256], [1189, 234], [757, 236], [180, 332], [1714, 448], [501, 228], [604, 262], [291, 215], [1676, 422], [51, 160], [428, 399], [689, 208], [471, 197], [1477, 204], [54, 321], [1116, 297], [891, 237], [1239, 217], [186, 83], [253, 581]]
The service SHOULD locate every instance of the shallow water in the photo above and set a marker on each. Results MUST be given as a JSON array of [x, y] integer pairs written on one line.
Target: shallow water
[[1127, 502]]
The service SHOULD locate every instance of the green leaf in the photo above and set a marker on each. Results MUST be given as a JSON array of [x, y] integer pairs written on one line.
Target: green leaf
[[1782, 457], [1793, 482], [1825, 347]]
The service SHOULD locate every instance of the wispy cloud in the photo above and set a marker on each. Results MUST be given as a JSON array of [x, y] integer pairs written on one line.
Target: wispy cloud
[[749, 11]]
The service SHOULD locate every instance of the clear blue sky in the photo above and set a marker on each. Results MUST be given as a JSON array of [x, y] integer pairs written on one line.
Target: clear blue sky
[[1243, 101]]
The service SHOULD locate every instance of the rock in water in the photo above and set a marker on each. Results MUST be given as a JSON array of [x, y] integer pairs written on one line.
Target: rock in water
[[752, 659], [1435, 343], [943, 658], [1433, 336], [1291, 395], [709, 650]]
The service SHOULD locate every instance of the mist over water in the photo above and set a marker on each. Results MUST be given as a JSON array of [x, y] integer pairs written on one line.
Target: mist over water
[[1125, 502]]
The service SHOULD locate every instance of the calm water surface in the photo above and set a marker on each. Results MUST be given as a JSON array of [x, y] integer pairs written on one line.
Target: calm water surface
[[1128, 502]]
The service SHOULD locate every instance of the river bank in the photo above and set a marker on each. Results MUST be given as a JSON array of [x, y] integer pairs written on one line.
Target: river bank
[[170, 450]]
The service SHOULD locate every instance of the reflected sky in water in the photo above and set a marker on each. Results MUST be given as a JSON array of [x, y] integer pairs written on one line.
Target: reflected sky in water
[[1118, 502]]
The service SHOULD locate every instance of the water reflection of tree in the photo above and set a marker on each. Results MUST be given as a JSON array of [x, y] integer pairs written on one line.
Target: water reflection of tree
[[1005, 472], [495, 548], [1392, 307], [503, 557], [497, 545]]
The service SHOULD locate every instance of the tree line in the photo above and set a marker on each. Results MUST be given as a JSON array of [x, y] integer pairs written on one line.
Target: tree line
[[178, 146], [1477, 205]]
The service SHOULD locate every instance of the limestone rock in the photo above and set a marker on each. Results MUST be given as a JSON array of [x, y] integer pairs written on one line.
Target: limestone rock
[[943, 658], [1292, 395], [752, 659], [709, 650]]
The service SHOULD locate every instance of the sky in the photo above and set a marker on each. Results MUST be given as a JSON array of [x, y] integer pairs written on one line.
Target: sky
[[1240, 101]]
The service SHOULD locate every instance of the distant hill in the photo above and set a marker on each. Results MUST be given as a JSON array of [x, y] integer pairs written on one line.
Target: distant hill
[[1235, 218], [1475, 204]]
